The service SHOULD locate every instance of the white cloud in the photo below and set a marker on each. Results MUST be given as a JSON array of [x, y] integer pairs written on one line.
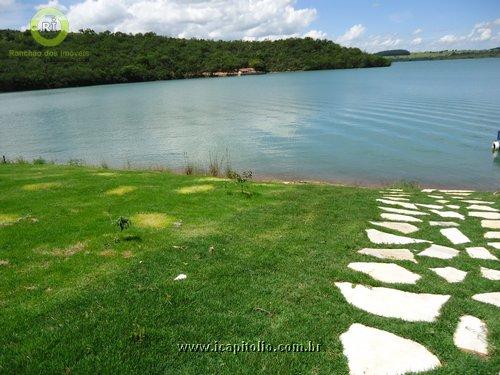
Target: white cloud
[[416, 41], [215, 19], [352, 34], [52, 4], [417, 31], [315, 34], [449, 38]]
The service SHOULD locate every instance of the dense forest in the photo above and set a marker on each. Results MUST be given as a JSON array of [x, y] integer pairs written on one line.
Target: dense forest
[[393, 52], [90, 58]]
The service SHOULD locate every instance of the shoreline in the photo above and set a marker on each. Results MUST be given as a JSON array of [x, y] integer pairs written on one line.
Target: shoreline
[[257, 177]]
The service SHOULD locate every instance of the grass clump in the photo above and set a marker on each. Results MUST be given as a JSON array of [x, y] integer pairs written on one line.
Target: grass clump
[[42, 186], [152, 220], [8, 219], [195, 189], [121, 190]]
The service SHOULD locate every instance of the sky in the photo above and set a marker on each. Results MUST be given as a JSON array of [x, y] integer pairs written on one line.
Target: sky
[[372, 25]]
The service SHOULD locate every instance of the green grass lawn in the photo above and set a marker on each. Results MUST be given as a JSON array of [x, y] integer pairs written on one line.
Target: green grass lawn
[[77, 295]]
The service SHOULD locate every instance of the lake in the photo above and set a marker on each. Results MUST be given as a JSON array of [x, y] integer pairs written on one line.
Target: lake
[[430, 121]]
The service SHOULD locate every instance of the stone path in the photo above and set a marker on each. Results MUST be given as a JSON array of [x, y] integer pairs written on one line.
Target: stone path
[[371, 350]]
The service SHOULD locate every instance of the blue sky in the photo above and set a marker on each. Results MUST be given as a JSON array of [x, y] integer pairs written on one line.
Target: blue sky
[[371, 25]]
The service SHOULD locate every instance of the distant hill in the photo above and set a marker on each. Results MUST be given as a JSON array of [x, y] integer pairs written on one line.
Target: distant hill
[[102, 58], [446, 55], [393, 52]]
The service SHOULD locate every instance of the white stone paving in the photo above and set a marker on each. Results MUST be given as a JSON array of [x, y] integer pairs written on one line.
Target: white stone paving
[[395, 198], [440, 252], [398, 217], [479, 207], [450, 274], [490, 274], [392, 254], [443, 224], [403, 211], [495, 245], [404, 228], [475, 201], [372, 351], [457, 191], [379, 237], [490, 224], [491, 298], [449, 214], [455, 236], [485, 215], [434, 206], [471, 335], [386, 272], [394, 303], [410, 206], [480, 253], [492, 235]]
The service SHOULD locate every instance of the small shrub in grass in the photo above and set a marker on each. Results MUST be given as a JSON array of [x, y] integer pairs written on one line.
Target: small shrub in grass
[[39, 161], [241, 180], [75, 162], [123, 223], [20, 160]]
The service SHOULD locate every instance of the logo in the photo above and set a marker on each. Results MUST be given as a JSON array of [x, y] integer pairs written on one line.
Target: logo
[[49, 20]]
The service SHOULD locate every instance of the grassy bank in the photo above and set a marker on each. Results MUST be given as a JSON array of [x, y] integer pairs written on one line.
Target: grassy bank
[[79, 295]]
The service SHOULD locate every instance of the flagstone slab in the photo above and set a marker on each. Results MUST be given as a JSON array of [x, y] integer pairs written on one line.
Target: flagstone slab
[[485, 215], [434, 206], [457, 197], [410, 206], [458, 191], [475, 201], [398, 217], [392, 254], [450, 274], [492, 235], [491, 298], [495, 245], [404, 212], [480, 253], [396, 198], [393, 189], [442, 201], [371, 351], [435, 196], [449, 214], [480, 207], [455, 236], [386, 272], [471, 335], [379, 237], [490, 224], [394, 303], [453, 206], [443, 224], [440, 252], [490, 274], [404, 228], [428, 190]]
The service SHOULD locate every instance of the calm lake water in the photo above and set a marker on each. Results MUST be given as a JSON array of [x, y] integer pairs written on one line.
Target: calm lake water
[[430, 121]]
